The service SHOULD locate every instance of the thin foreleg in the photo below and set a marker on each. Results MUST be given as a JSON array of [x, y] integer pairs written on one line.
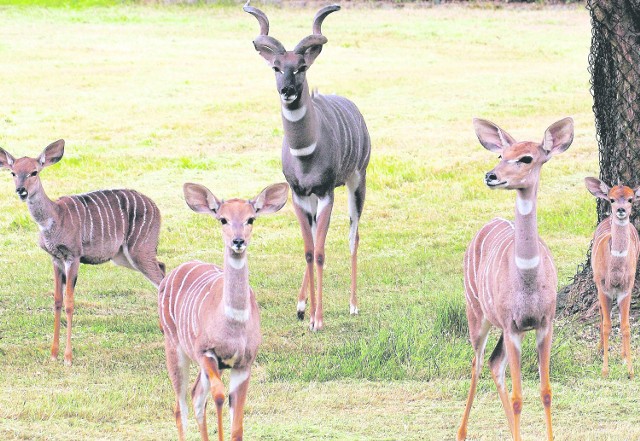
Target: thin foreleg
[[210, 367], [624, 305], [605, 310], [325, 206], [498, 365], [543, 339], [513, 345], [357, 190], [305, 219], [71, 269], [238, 386], [59, 278]]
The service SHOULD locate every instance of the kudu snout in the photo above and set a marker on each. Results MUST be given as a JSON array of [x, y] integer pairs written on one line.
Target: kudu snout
[[22, 193]]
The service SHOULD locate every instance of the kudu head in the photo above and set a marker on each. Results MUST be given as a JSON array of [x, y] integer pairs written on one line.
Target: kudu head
[[26, 171], [236, 215], [290, 66], [619, 196], [520, 162]]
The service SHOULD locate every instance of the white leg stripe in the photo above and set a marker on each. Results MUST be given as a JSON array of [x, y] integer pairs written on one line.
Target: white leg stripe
[[294, 115], [305, 151], [322, 204], [238, 376], [302, 305], [526, 264]]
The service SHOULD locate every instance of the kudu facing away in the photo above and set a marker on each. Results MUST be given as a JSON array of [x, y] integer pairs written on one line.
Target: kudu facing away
[[326, 144], [510, 279], [210, 315], [93, 228], [614, 257]]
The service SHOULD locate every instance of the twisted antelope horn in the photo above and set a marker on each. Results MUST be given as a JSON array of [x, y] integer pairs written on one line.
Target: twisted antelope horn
[[320, 16], [264, 41], [260, 16]]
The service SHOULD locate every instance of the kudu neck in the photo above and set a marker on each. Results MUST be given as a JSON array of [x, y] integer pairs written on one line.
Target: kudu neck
[[236, 281], [620, 237], [527, 246], [299, 121], [42, 209]]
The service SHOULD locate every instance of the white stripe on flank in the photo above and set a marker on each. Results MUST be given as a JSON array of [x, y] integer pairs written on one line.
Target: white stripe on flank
[[524, 206], [526, 264], [239, 315], [623, 253], [305, 151], [99, 214], [294, 115]]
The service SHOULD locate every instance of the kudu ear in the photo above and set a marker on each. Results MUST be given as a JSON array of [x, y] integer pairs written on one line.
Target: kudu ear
[[310, 47], [52, 153], [268, 47], [271, 199], [558, 137], [597, 188], [200, 199], [636, 191], [6, 160], [492, 137]]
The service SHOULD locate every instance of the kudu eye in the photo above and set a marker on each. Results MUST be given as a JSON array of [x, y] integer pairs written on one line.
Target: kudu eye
[[300, 69], [526, 159], [250, 220], [612, 200], [33, 173], [223, 221], [630, 200], [276, 69], [13, 174]]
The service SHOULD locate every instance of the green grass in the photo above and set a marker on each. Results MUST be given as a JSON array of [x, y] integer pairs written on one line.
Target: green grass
[[152, 97]]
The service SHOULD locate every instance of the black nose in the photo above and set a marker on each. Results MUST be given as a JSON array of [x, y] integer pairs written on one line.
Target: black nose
[[491, 176], [238, 242], [288, 91], [621, 210]]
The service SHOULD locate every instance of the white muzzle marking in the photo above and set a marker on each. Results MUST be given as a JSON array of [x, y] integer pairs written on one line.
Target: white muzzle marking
[[305, 151], [294, 115], [526, 264]]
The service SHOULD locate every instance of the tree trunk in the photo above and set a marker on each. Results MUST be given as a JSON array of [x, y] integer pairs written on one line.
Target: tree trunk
[[614, 64]]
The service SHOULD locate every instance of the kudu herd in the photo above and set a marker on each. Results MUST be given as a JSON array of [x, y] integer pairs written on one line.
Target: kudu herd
[[209, 314]]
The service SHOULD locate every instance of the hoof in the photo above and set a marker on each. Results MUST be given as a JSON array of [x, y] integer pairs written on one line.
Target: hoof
[[605, 373], [302, 304], [67, 362], [300, 315]]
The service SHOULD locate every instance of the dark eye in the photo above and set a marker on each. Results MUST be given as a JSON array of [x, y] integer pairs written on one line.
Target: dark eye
[[612, 200], [250, 220], [499, 156], [33, 173], [276, 69], [526, 159], [630, 201], [223, 221], [302, 68], [13, 174]]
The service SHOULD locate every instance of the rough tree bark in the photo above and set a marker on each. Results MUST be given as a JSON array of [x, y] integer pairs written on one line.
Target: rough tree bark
[[614, 64]]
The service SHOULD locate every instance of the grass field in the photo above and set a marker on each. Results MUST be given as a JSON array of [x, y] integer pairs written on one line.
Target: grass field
[[152, 97]]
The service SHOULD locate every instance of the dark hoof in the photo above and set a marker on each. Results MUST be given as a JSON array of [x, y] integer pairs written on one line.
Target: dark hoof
[[300, 315]]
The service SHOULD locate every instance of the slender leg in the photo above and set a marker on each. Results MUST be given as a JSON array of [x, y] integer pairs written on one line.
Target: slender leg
[[543, 339], [305, 219], [302, 295], [625, 305], [71, 278], [512, 343], [239, 384], [59, 278], [325, 205], [178, 369], [212, 371], [479, 342], [498, 365], [149, 266], [199, 397], [605, 310], [357, 190]]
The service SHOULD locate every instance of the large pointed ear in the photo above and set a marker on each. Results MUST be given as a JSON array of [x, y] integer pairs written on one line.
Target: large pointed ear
[[558, 137], [271, 199], [491, 136], [310, 47], [597, 188], [200, 199], [268, 47], [6, 160], [52, 153]]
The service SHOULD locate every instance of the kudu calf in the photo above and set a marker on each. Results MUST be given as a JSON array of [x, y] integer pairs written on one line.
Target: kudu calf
[[93, 228], [509, 276], [326, 144], [210, 315], [614, 257]]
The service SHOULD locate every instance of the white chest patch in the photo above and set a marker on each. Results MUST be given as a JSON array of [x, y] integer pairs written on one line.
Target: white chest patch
[[622, 253], [294, 115], [526, 264], [524, 206], [47, 225], [239, 315], [305, 151], [623, 223]]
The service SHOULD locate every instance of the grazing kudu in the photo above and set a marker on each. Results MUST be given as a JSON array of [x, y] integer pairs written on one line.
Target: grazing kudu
[[614, 257], [93, 228], [326, 144], [509, 275], [209, 314]]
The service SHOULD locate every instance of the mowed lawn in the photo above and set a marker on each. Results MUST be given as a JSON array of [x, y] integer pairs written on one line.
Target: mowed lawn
[[152, 97]]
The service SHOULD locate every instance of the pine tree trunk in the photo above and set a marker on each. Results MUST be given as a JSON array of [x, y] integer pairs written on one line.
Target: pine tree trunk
[[614, 64]]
